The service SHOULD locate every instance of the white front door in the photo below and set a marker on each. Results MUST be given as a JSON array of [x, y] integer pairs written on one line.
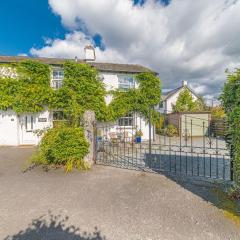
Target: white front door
[[28, 123]]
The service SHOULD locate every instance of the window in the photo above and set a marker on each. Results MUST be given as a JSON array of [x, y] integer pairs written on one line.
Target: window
[[126, 121], [57, 78], [161, 104], [58, 115], [29, 123], [126, 82]]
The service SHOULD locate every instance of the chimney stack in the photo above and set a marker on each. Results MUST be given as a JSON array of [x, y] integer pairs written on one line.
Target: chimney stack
[[184, 83], [89, 53], [76, 59]]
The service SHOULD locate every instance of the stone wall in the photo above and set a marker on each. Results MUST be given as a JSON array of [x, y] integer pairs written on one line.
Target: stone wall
[[89, 129]]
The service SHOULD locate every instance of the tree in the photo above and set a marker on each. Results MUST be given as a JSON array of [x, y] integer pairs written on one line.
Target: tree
[[184, 102], [218, 112], [230, 99]]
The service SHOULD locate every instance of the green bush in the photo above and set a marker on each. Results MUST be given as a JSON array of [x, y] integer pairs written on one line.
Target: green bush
[[160, 125], [234, 193], [63, 146], [171, 130], [230, 100]]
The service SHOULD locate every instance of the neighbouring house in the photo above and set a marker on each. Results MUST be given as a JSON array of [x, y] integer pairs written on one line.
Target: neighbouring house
[[21, 129], [169, 98]]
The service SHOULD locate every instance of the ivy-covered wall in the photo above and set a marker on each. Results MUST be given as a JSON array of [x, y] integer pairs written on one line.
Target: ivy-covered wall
[[27, 89], [140, 100]]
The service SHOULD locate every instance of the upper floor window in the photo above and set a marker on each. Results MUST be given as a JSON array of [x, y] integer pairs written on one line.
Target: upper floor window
[[57, 78], [126, 82]]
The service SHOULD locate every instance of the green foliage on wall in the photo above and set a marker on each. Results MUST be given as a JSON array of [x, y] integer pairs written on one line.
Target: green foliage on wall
[[8, 88], [30, 92], [231, 102], [139, 100], [82, 90]]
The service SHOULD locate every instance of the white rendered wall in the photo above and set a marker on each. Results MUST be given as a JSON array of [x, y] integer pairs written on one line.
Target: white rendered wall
[[8, 128], [173, 99], [110, 81], [38, 125], [12, 127]]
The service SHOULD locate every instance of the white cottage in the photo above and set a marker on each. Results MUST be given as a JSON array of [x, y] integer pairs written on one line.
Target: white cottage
[[169, 98], [21, 129]]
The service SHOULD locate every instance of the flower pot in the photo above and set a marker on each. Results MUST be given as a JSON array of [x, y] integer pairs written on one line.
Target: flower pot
[[138, 139]]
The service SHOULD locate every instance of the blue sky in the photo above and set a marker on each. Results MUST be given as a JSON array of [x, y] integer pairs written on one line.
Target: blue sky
[[25, 23]]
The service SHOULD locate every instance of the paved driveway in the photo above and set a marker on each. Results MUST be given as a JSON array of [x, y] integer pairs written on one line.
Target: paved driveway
[[115, 203]]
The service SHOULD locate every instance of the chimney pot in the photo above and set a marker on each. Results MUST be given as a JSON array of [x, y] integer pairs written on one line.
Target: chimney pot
[[90, 55], [184, 83]]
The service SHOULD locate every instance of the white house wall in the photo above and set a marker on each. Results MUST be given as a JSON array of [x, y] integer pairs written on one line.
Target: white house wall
[[8, 128], [12, 130], [110, 81], [12, 125], [42, 120], [173, 99]]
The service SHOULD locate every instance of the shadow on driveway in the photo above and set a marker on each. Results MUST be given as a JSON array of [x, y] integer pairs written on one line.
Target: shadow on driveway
[[54, 227]]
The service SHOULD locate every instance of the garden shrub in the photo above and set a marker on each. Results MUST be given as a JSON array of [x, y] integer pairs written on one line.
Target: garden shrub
[[231, 103], [63, 146], [234, 193], [171, 130], [160, 125]]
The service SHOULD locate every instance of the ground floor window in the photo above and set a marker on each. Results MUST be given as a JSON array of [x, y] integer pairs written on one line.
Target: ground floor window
[[126, 121], [58, 115]]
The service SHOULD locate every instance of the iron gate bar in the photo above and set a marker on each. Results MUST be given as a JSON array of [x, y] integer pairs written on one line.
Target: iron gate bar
[[167, 154]]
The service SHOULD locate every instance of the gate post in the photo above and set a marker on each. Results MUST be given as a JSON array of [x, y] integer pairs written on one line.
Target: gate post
[[89, 132], [150, 132]]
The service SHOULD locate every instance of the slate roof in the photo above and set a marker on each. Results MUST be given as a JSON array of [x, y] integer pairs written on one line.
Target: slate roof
[[168, 94], [104, 67]]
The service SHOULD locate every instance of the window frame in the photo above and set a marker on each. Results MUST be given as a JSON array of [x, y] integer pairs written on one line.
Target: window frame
[[57, 80], [124, 82], [126, 121]]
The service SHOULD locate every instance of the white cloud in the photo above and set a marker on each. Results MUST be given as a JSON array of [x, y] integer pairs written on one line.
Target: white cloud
[[73, 45], [192, 40]]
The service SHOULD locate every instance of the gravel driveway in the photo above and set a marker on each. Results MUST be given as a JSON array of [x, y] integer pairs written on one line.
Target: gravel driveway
[[105, 203]]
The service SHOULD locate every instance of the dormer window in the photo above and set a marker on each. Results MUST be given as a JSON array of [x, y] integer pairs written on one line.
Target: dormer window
[[57, 78]]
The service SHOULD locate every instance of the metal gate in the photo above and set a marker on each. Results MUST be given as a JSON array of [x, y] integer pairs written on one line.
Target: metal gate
[[205, 156]]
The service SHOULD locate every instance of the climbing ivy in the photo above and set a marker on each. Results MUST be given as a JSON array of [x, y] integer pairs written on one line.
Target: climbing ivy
[[82, 90], [8, 89], [139, 100], [30, 91]]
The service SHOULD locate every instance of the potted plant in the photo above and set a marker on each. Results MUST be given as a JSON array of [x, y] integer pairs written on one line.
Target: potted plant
[[138, 136]]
